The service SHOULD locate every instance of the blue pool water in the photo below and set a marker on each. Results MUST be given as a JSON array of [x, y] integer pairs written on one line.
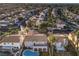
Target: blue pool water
[[30, 53]]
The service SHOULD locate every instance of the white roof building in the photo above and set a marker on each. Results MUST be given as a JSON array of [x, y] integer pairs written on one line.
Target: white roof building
[[10, 42], [38, 42]]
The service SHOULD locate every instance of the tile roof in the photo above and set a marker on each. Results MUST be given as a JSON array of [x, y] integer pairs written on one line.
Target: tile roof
[[37, 37], [12, 38]]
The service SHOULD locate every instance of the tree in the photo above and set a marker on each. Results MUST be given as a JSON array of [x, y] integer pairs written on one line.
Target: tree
[[51, 22], [6, 33], [20, 18], [26, 29], [51, 38], [50, 19], [43, 27], [77, 33]]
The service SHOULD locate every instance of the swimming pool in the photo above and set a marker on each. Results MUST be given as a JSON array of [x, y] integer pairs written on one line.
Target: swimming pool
[[30, 53]]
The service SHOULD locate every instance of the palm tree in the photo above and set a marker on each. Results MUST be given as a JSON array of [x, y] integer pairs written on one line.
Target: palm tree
[[51, 38], [26, 29]]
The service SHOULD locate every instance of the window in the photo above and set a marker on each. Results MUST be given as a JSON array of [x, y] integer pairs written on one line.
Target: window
[[40, 49], [44, 49], [34, 44], [35, 49]]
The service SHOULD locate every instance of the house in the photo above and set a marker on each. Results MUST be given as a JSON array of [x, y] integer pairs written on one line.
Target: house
[[4, 23], [61, 42], [38, 22], [10, 42], [60, 24], [37, 42], [53, 12], [59, 46], [42, 15], [76, 17], [33, 18]]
